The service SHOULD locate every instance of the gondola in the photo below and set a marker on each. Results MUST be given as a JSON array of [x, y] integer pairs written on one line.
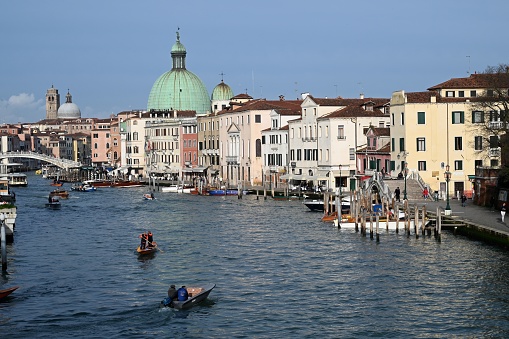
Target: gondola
[[7, 291]]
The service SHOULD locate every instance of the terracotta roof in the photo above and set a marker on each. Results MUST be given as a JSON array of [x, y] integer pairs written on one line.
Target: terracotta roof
[[381, 131], [351, 112], [262, 104], [500, 80], [242, 96], [377, 102]]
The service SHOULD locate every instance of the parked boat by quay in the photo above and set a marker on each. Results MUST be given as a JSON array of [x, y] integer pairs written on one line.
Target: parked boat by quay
[[16, 179], [195, 296], [83, 188], [223, 192], [6, 195]]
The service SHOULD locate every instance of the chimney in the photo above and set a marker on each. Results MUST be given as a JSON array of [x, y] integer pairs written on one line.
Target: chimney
[[362, 96]]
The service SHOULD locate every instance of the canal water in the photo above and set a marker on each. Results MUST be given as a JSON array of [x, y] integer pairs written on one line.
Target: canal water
[[279, 272]]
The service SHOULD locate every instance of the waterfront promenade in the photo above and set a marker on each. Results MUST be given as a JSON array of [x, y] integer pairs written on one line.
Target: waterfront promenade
[[483, 218]]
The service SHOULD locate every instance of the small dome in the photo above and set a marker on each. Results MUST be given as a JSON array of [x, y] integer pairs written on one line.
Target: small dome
[[222, 92], [69, 110]]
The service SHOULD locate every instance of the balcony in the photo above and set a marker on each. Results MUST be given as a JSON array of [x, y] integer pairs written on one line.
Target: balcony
[[494, 152], [496, 124], [232, 159]]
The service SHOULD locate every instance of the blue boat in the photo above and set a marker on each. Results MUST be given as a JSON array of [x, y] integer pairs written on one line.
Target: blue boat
[[224, 192]]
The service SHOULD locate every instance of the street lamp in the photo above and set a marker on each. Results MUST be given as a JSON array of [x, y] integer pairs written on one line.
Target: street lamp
[[447, 176], [404, 191]]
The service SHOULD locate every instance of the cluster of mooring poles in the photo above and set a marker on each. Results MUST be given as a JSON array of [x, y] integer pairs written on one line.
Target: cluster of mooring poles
[[387, 214]]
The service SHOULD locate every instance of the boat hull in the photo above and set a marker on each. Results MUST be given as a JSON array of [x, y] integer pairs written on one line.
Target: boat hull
[[194, 298], [53, 205], [5, 293], [147, 250], [224, 192]]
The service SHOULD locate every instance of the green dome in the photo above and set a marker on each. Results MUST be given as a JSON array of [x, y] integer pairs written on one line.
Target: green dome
[[222, 92], [179, 89]]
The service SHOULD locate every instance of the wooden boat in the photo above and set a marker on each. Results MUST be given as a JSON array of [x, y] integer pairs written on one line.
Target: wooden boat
[[196, 295], [147, 250], [98, 183], [59, 193], [57, 183], [126, 183], [7, 291]]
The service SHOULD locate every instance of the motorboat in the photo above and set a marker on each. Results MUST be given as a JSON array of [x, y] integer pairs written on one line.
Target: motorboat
[[6, 195], [223, 192], [59, 193], [195, 296], [149, 196], [83, 188], [54, 204]]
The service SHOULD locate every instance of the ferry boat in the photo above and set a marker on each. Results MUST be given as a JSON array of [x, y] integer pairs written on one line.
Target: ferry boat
[[16, 179]]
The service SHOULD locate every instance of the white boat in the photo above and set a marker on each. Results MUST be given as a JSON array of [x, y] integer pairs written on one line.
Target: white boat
[[16, 179], [382, 224], [172, 189]]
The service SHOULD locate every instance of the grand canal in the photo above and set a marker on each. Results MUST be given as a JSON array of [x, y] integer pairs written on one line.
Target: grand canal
[[279, 271]]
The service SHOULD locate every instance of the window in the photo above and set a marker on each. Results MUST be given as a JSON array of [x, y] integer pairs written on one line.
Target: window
[[258, 148], [299, 154], [449, 94], [95, 145], [95, 135], [458, 117], [458, 165], [490, 93], [421, 118], [478, 163], [477, 117], [393, 145], [473, 94], [352, 153], [421, 144], [461, 94], [478, 143], [341, 132], [458, 143], [263, 139], [392, 119], [258, 119], [401, 144], [402, 119], [494, 141], [421, 165]]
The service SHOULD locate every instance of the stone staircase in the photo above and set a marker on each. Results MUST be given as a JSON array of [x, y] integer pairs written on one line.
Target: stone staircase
[[413, 189]]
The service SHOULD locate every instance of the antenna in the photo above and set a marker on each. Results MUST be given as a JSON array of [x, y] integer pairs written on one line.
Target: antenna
[[222, 74]]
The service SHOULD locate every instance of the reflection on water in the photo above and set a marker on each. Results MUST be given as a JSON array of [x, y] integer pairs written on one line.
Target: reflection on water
[[279, 271]]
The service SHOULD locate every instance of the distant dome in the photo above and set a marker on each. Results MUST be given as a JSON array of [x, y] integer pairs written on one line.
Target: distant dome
[[222, 92], [179, 89], [69, 110]]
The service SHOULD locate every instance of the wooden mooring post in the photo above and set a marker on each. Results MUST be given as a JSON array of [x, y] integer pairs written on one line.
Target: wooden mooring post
[[3, 242]]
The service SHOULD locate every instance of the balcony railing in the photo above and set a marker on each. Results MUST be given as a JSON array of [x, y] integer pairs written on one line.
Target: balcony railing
[[494, 152], [232, 159], [496, 124], [341, 137]]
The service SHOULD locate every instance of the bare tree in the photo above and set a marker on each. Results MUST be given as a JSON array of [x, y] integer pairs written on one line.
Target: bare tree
[[490, 113]]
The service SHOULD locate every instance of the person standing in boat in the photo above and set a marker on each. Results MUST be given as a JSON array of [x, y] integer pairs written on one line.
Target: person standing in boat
[[150, 239], [143, 243]]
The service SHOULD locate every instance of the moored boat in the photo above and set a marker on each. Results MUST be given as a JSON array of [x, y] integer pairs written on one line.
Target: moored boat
[[195, 296], [83, 188], [6, 292], [224, 192]]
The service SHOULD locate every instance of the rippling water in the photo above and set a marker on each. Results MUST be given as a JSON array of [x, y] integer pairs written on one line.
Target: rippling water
[[279, 271]]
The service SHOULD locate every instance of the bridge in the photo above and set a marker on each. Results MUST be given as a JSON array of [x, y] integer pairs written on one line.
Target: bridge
[[62, 163]]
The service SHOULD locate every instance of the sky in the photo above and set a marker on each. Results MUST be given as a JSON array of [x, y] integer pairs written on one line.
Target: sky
[[109, 53]]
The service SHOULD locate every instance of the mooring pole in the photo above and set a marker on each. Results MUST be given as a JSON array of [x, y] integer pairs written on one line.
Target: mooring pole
[[3, 243]]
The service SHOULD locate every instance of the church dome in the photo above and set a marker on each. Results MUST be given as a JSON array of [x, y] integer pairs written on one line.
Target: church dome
[[222, 92], [69, 110], [179, 89]]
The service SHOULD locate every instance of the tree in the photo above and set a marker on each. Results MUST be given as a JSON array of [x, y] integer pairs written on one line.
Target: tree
[[490, 114]]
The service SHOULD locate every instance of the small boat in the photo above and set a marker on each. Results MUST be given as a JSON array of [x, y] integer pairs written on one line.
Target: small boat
[[7, 291], [59, 193], [54, 204], [147, 250], [196, 295], [149, 196], [224, 192], [83, 188], [57, 183]]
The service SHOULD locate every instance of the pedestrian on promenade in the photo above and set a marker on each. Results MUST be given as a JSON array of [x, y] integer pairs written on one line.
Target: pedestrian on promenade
[[463, 200], [502, 211]]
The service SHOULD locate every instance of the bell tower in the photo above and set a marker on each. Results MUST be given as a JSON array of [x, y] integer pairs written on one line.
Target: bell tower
[[52, 103]]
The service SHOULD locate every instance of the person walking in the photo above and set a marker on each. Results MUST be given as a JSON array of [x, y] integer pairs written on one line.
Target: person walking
[[463, 200], [502, 211], [397, 193]]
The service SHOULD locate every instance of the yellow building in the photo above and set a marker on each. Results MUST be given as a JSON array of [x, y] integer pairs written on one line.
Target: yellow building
[[443, 126]]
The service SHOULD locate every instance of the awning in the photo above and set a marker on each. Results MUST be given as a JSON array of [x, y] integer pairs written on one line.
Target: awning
[[195, 170]]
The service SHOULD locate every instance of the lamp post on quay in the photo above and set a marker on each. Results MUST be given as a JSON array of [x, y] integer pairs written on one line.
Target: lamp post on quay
[[404, 191], [447, 176]]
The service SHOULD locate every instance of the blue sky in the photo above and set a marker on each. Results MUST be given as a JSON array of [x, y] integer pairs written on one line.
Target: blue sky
[[109, 53]]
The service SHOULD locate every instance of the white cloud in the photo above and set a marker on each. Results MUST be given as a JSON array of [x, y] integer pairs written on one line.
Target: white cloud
[[22, 108]]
